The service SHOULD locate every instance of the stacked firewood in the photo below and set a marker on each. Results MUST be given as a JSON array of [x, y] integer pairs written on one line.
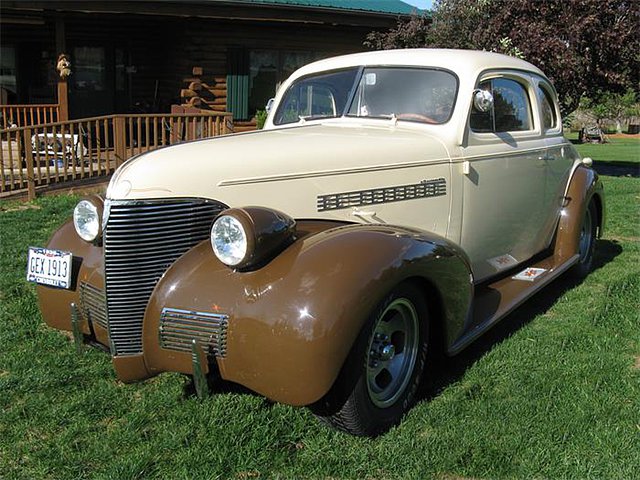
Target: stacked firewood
[[203, 95]]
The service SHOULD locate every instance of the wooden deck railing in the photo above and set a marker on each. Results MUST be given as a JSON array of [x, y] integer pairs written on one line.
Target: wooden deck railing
[[55, 153], [27, 115]]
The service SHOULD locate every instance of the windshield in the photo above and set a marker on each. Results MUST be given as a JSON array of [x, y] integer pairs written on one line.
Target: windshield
[[412, 94]]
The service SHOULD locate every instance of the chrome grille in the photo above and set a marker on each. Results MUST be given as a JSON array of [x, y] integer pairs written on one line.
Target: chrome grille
[[141, 240], [179, 327], [93, 304]]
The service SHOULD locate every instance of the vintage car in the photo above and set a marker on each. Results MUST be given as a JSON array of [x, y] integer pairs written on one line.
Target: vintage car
[[396, 202]]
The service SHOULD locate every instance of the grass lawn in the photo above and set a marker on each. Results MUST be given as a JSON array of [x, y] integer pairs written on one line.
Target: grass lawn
[[551, 392]]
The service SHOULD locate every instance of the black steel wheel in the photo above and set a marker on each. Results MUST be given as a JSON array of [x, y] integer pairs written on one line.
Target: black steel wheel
[[587, 241], [380, 378]]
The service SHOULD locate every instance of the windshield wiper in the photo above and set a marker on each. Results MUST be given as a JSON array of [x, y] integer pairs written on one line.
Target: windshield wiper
[[306, 118]]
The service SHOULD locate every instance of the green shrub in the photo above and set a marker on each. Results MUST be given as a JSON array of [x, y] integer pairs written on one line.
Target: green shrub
[[261, 117]]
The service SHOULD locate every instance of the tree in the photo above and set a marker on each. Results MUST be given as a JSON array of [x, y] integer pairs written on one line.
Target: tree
[[613, 106], [584, 46]]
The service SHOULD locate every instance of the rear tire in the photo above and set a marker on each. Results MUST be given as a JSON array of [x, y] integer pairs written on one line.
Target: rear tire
[[587, 242], [380, 377]]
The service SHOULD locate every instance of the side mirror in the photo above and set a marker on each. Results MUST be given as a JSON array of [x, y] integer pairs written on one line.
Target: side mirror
[[269, 105], [482, 100]]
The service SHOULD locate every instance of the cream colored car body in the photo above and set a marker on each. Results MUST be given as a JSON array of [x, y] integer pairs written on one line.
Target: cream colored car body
[[498, 195]]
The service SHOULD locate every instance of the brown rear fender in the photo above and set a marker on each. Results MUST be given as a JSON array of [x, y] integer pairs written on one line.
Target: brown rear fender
[[88, 268], [292, 322], [585, 186]]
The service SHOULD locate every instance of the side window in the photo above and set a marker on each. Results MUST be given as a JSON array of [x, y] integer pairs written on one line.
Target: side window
[[309, 101], [316, 100], [320, 95], [549, 119], [511, 110]]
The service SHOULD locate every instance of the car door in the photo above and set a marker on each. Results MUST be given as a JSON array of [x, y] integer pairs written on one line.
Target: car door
[[503, 215], [559, 155]]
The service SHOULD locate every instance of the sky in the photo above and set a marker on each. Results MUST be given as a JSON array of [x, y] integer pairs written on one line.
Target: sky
[[420, 3]]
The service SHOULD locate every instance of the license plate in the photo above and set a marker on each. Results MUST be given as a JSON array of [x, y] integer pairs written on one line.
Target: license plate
[[49, 267]]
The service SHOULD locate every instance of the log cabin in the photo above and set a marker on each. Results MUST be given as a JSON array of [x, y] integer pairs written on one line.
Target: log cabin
[[139, 56]]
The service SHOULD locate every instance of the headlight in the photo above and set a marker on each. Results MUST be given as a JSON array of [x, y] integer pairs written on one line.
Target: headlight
[[87, 218], [246, 237], [229, 240]]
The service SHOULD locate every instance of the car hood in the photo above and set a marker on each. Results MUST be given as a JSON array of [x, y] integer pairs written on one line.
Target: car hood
[[270, 167]]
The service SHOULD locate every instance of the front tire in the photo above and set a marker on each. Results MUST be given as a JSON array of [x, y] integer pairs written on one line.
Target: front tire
[[379, 380]]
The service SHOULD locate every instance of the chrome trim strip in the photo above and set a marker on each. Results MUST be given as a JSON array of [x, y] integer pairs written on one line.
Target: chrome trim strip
[[489, 156], [375, 168], [329, 173]]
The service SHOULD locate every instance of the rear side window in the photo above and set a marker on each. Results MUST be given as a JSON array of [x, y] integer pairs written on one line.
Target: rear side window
[[511, 110], [547, 107]]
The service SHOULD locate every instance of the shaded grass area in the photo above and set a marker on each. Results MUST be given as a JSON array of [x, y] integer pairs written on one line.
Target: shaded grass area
[[553, 391], [623, 149]]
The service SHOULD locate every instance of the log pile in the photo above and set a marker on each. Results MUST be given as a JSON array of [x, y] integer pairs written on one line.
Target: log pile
[[202, 95]]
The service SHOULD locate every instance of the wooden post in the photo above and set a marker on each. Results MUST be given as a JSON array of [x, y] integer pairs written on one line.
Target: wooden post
[[119, 139], [61, 46], [63, 101], [28, 154]]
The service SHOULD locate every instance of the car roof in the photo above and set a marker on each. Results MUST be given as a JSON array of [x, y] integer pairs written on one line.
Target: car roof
[[462, 62]]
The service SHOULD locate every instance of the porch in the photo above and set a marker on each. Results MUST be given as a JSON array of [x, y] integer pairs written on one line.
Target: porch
[[58, 154]]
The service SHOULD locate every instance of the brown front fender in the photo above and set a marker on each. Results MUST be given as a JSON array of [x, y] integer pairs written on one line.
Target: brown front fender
[[293, 321]]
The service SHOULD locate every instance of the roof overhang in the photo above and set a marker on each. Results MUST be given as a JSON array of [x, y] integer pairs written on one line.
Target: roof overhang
[[211, 9]]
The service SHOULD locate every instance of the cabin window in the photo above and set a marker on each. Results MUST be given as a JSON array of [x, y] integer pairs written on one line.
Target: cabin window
[[263, 76], [8, 82], [89, 69], [121, 70]]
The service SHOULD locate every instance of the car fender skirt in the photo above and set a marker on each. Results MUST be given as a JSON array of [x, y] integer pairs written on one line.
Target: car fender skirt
[[583, 187], [292, 322], [88, 269]]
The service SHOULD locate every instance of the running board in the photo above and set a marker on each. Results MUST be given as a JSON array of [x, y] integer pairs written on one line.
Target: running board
[[494, 301]]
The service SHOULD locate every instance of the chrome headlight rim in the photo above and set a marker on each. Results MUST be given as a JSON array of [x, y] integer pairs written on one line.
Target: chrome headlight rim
[[266, 232], [232, 223], [87, 219]]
